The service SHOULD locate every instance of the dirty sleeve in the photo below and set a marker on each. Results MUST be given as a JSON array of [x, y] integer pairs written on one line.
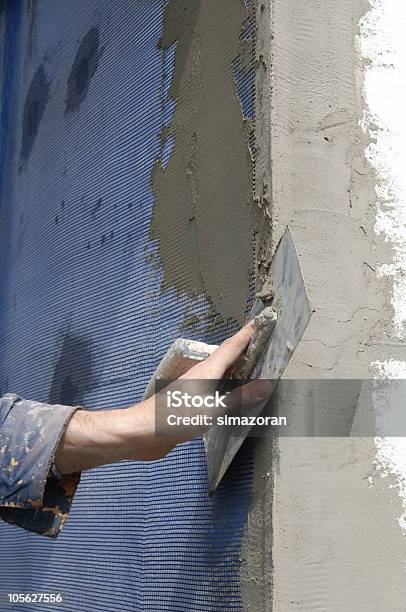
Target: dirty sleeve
[[31, 496]]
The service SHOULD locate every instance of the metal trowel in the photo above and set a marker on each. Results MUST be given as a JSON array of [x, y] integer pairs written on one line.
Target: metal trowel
[[282, 312], [286, 309]]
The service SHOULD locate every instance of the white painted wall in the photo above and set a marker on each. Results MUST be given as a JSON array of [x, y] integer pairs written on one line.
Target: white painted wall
[[383, 48]]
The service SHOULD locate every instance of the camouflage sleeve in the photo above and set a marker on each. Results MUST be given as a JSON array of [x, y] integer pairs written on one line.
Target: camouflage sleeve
[[30, 496]]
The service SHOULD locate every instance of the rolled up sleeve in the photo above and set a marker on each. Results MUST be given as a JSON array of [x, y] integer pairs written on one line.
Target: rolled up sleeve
[[30, 496]]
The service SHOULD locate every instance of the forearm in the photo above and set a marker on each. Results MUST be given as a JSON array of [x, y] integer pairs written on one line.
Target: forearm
[[97, 438], [34, 435]]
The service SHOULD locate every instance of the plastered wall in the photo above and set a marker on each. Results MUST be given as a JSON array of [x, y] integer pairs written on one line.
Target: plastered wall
[[323, 531], [203, 196]]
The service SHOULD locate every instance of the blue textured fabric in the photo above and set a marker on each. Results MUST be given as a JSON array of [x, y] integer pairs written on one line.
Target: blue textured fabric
[[82, 317]]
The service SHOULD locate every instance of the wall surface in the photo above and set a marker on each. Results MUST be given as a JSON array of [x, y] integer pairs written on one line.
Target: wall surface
[[89, 303], [145, 206], [203, 195], [323, 531], [383, 48]]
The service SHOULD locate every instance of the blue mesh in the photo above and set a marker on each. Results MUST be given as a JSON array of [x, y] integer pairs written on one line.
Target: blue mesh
[[82, 316]]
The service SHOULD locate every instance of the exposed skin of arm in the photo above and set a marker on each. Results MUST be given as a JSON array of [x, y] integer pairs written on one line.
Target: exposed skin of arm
[[98, 438]]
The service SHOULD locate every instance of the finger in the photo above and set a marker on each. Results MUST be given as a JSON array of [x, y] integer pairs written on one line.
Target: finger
[[215, 366], [250, 398], [229, 351]]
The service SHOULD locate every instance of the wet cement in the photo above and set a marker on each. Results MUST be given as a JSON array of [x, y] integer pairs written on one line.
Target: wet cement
[[34, 108], [203, 197], [322, 533], [83, 69]]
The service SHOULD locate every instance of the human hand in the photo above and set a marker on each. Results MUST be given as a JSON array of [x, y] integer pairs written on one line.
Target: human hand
[[97, 438]]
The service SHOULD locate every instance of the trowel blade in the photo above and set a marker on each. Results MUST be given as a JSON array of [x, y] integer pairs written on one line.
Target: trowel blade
[[293, 310]]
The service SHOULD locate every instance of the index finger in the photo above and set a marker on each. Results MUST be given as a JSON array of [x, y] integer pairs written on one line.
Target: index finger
[[229, 351]]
